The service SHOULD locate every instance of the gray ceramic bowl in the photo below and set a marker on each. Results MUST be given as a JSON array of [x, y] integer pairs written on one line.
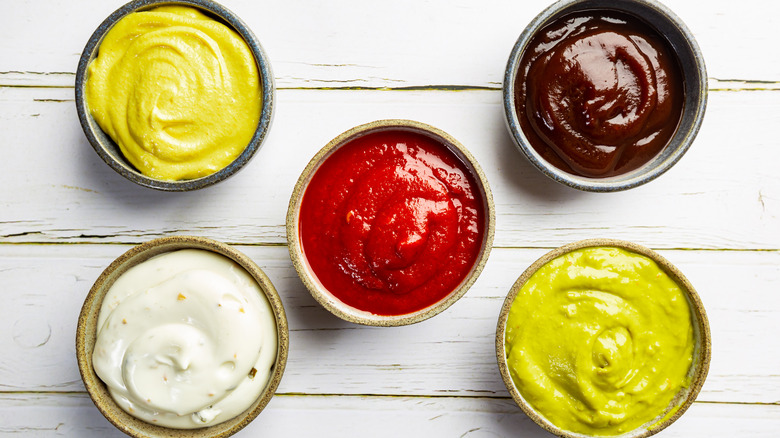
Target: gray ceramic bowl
[[701, 333], [107, 148], [86, 332], [326, 298], [694, 77]]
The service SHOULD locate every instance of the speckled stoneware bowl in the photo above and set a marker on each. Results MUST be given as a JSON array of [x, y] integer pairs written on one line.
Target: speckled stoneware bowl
[[694, 75], [319, 292], [87, 330], [105, 146], [701, 333]]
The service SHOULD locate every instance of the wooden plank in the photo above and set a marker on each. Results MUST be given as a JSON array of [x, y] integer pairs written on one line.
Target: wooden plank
[[451, 354], [354, 43], [339, 416], [64, 215], [725, 193]]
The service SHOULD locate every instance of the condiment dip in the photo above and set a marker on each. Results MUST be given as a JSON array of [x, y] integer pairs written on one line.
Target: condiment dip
[[186, 339], [598, 93], [392, 222], [600, 341], [178, 91]]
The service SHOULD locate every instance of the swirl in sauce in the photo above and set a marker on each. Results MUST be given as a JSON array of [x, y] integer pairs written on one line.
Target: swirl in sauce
[[598, 94], [177, 91], [599, 341], [185, 339], [391, 222]]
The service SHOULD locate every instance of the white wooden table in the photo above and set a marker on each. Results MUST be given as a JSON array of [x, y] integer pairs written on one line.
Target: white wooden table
[[65, 215]]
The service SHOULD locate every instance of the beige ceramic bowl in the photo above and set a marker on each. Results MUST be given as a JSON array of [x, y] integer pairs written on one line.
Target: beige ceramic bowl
[[327, 299], [87, 329], [701, 353]]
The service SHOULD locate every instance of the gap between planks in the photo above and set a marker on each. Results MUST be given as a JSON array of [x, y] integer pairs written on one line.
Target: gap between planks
[[31, 79], [380, 396], [280, 244]]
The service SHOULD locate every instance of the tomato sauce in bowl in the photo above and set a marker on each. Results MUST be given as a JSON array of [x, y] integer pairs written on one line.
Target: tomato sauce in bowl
[[393, 221]]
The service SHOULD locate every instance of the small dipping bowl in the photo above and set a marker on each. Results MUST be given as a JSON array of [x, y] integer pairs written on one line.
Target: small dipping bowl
[[105, 146], [694, 77], [314, 285], [697, 372], [86, 334]]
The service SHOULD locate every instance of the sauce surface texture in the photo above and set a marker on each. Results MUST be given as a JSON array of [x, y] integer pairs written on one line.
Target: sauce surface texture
[[176, 90], [598, 93], [599, 341], [392, 222], [186, 339]]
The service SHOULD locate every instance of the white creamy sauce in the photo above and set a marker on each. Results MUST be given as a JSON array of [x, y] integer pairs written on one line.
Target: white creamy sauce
[[185, 339]]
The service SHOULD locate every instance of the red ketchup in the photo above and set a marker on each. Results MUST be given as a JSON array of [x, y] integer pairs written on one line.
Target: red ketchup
[[392, 222], [598, 93]]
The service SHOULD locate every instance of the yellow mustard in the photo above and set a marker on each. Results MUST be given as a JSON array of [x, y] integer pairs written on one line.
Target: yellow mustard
[[599, 341], [178, 92]]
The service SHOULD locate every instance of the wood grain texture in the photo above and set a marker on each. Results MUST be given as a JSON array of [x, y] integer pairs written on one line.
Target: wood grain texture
[[354, 43], [56, 188], [37, 415], [451, 354], [65, 215]]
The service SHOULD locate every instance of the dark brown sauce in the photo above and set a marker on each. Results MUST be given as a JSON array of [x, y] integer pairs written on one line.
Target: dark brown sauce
[[599, 93]]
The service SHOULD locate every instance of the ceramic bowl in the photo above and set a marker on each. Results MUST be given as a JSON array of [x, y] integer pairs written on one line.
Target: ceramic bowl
[[315, 287], [87, 330], [694, 75], [105, 146], [701, 334]]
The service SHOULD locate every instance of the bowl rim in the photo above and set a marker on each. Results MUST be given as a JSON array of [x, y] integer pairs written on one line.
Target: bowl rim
[[355, 315], [701, 355], [119, 163], [86, 332], [687, 130]]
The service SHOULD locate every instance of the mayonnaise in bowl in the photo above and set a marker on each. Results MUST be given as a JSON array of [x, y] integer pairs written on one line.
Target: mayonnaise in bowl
[[185, 339]]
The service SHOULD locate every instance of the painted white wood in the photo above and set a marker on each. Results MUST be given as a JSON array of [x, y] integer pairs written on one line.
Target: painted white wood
[[350, 416], [65, 215], [724, 193], [356, 43], [450, 354]]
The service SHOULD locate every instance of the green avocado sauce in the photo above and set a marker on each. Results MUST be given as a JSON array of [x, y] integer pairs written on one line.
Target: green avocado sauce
[[600, 340]]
